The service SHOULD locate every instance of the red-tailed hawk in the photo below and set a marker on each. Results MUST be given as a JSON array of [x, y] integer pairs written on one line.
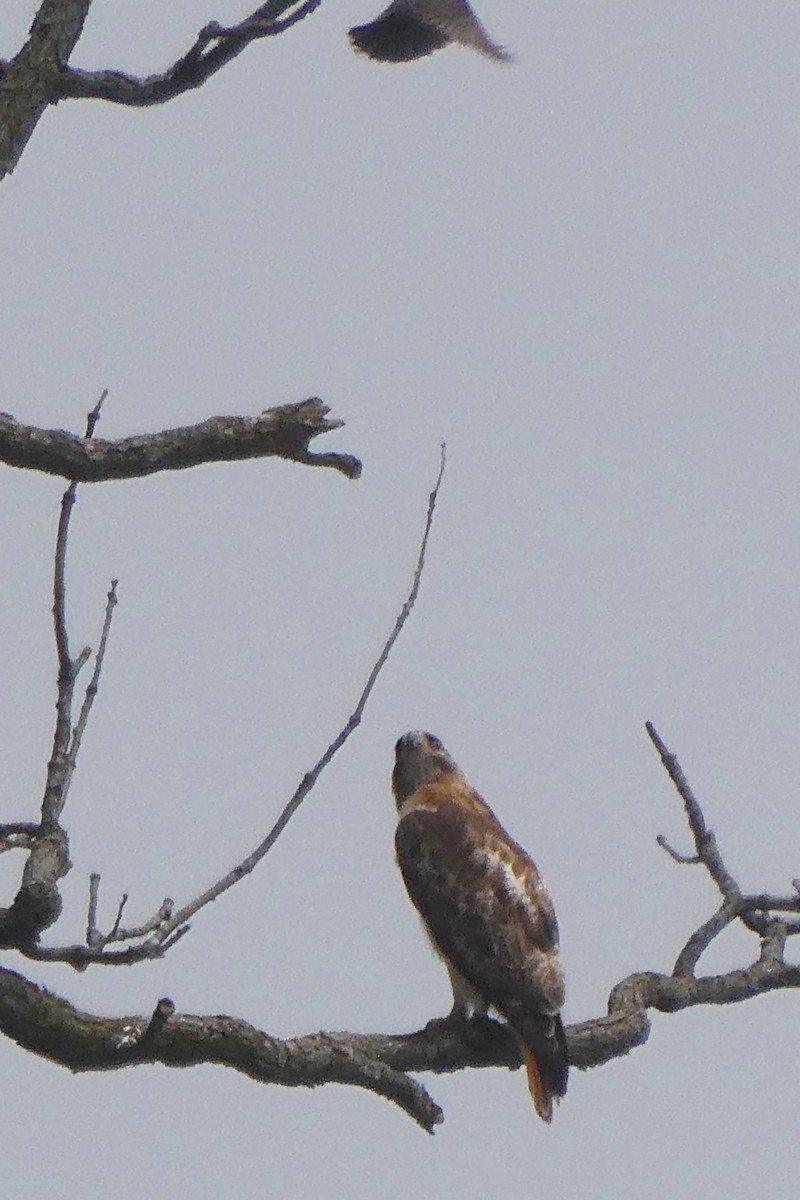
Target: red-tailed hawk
[[484, 906], [410, 29]]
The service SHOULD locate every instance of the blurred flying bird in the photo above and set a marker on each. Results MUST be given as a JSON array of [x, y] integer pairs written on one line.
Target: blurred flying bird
[[410, 29]]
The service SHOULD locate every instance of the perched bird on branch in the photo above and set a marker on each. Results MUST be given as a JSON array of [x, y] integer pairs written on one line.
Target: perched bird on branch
[[410, 29], [484, 907]]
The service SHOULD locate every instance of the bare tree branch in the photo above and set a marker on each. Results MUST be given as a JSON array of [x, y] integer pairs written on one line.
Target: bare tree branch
[[162, 930], [773, 903], [93, 935], [91, 690], [282, 432], [97, 941], [54, 1029], [704, 840], [753, 911], [214, 46], [66, 667], [685, 860], [80, 957], [67, 741], [31, 81], [700, 940], [39, 75], [55, 792], [163, 914], [310, 778], [94, 416], [38, 902]]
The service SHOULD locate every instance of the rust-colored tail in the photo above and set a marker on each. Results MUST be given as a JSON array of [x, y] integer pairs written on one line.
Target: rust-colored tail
[[542, 1096], [545, 1055]]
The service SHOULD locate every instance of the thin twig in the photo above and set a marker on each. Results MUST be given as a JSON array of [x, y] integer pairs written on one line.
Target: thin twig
[[53, 801], [81, 957], [58, 772], [114, 933], [37, 904], [310, 778], [94, 938], [59, 584], [686, 860], [66, 741], [97, 941], [80, 662], [704, 840], [155, 922], [264, 22], [93, 935], [94, 416], [754, 911], [91, 690]]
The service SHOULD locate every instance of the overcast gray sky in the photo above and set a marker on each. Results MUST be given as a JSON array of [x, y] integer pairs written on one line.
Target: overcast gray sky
[[582, 271]]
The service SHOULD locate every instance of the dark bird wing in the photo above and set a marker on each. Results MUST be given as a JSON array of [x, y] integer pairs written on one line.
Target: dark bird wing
[[397, 36]]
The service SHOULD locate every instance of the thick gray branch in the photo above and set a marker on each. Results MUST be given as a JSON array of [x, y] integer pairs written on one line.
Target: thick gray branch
[[282, 432], [32, 80], [37, 903], [52, 1028]]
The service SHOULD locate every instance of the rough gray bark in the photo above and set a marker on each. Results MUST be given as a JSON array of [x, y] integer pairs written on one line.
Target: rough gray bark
[[281, 432], [31, 81], [54, 1029], [39, 75]]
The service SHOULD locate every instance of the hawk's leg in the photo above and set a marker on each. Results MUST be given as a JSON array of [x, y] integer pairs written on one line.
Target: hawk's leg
[[468, 1014]]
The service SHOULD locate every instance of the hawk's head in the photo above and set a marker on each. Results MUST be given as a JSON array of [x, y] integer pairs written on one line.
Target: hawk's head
[[419, 758]]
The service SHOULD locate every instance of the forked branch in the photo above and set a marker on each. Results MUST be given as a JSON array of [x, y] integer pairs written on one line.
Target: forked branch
[[39, 74], [214, 46], [757, 913], [162, 931], [37, 904]]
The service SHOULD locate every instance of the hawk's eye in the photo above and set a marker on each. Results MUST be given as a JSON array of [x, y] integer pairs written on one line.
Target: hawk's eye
[[434, 741]]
